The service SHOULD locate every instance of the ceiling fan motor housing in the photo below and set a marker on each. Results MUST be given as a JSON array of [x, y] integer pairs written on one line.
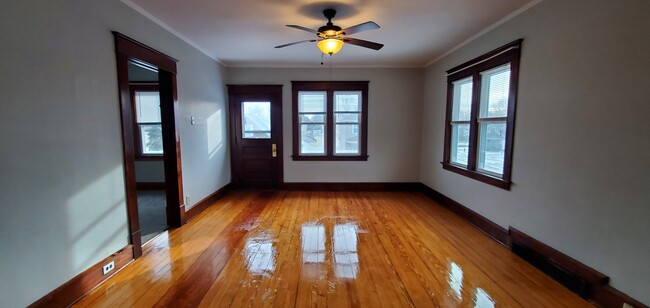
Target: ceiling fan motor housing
[[329, 30]]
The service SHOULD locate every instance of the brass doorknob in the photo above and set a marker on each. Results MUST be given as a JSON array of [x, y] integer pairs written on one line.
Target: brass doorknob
[[274, 150]]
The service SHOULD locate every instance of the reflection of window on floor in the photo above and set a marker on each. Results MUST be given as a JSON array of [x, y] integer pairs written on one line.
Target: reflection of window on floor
[[343, 242], [259, 254], [346, 259], [455, 279], [483, 300]]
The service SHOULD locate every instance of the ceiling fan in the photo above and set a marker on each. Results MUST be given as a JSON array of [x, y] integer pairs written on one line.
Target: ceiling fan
[[331, 37]]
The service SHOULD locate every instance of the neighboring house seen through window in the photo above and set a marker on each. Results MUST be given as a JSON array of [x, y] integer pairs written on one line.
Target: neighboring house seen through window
[[330, 120], [481, 98]]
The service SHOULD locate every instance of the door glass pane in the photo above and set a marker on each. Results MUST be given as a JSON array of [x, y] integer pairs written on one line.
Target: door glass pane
[[495, 90], [256, 120], [492, 147], [462, 100], [460, 144], [147, 107], [151, 139], [347, 139], [312, 139]]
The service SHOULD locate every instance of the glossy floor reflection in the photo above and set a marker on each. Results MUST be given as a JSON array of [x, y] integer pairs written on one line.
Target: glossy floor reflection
[[336, 249]]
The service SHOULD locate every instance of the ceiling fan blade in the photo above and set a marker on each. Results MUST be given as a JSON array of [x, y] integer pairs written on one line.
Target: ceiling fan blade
[[295, 43], [368, 25], [303, 28], [362, 43]]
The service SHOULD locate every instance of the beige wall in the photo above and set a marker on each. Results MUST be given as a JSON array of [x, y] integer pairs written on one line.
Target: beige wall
[[581, 167], [395, 97], [62, 183]]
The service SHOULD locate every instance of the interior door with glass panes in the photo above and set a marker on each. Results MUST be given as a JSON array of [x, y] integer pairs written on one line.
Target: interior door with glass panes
[[256, 136]]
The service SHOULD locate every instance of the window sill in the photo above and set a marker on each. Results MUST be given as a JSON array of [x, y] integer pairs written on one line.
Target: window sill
[[478, 176], [330, 158]]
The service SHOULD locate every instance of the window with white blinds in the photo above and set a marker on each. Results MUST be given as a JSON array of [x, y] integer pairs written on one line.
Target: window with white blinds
[[480, 116]]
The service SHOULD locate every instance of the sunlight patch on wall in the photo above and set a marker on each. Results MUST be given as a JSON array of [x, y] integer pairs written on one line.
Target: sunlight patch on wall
[[214, 133]]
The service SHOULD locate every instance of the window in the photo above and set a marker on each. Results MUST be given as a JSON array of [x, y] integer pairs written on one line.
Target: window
[[330, 120], [481, 98], [148, 128]]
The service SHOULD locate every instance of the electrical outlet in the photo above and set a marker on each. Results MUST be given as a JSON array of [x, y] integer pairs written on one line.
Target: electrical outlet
[[187, 200], [108, 267], [626, 305]]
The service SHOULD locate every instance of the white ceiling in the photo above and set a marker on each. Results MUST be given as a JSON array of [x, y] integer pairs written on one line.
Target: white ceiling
[[244, 32]]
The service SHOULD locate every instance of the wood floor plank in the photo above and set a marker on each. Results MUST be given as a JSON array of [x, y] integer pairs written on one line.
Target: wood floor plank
[[336, 249]]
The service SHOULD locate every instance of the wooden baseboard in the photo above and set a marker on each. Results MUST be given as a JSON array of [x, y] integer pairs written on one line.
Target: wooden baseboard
[[599, 292], [495, 231], [606, 296], [377, 186], [207, 202], [75, 288]]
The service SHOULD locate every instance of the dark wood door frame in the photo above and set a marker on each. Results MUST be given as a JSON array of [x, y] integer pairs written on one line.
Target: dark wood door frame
[[273, 92], [127, 49]]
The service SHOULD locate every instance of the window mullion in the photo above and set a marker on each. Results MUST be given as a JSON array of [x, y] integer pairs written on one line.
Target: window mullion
[[473, 128], [330, 123]]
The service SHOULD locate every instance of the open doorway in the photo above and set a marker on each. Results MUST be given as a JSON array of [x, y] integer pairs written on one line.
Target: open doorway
[[149, 152], [151, 143]]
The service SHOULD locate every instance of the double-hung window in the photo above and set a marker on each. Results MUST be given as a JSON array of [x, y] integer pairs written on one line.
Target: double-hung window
[[330, 120], [148, 128], [479, 133]]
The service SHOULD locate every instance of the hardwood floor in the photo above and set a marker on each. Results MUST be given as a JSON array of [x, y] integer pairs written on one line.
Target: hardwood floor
[[298, 249]]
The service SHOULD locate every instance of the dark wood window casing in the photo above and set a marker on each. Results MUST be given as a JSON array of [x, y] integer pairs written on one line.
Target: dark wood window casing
[[142, 87], [471, 71], [330, 87]]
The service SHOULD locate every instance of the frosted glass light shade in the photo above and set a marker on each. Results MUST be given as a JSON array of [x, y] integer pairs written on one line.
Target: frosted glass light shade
[[330, 46]]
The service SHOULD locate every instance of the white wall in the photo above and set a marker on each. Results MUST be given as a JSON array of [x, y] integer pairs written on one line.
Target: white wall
[[62, 183], [582, 140], [395, 97]]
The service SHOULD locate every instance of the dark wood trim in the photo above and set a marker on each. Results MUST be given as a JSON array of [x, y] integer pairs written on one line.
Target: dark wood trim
[[321, 186], [208, 201], [171, 149], [589, 274], [606, 296], [151, 185], [330, 87], [127, 49], [77, 287], [143, 53], [486, 56], [477, 176], [493, 230], [509, 53], [599, 293]]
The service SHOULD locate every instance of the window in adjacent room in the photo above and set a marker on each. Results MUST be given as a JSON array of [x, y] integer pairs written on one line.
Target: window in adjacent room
[[481, 98], [330, 120], [148, 128]]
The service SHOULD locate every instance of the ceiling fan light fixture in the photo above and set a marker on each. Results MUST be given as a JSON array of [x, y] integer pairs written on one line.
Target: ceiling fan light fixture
[[330, 46]]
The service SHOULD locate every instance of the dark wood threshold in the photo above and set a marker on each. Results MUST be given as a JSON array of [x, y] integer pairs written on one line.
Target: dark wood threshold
[[324, 186], [150, 185], [77, 287], [206, 202], [582, 279]]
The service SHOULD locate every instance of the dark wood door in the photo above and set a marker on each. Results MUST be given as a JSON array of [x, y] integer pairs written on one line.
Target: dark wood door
[[256, 135]]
